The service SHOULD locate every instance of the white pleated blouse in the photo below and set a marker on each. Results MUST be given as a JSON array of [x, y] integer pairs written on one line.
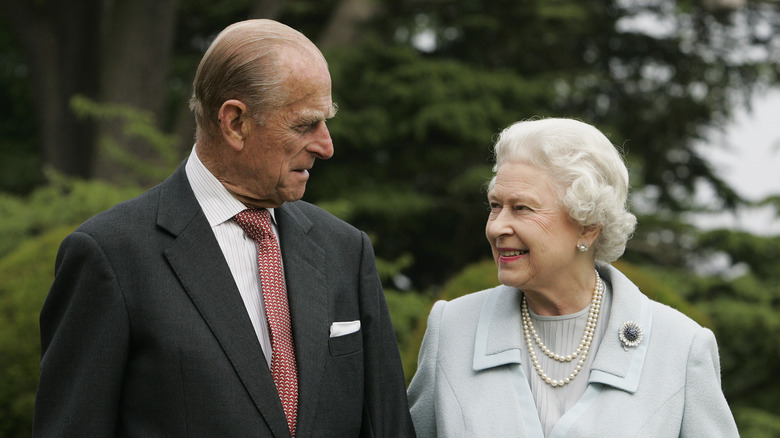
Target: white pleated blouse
[[562, 335]]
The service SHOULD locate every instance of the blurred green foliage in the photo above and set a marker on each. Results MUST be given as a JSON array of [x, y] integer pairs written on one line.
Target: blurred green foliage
[[134, 125], [422, 128], [757, 423], [64, 201]]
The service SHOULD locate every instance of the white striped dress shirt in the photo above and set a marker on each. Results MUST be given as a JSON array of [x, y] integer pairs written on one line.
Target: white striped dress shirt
[[239, 249]]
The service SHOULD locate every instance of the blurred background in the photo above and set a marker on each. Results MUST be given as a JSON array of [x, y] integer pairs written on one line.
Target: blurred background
[[93, 110]]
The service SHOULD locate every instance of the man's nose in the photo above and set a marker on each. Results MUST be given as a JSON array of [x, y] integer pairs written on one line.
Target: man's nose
[[322, 146]]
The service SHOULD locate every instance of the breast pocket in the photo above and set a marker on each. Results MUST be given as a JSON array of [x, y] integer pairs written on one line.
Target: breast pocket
[[346, 344]]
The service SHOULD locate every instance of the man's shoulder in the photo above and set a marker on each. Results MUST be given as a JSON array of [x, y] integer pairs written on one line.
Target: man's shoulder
[[310, 209], [133, 212], [143, 209], [305, 211]]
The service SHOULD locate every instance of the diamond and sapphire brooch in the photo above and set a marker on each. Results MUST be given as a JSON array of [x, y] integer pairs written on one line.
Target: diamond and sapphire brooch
[[630, 334]]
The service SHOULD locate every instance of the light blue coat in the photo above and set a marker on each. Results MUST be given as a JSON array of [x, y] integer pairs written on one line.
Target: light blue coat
[[470, 382]]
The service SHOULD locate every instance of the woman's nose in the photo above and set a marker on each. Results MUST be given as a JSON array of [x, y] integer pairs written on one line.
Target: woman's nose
[[498, 225]]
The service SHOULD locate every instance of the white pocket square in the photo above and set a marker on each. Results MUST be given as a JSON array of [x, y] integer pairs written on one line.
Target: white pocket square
[[344, 328]]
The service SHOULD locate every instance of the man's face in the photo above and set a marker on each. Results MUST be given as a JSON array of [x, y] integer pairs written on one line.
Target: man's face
[[274, 166]]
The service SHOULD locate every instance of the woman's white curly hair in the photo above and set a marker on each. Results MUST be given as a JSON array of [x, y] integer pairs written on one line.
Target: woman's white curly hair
[[590, 173]]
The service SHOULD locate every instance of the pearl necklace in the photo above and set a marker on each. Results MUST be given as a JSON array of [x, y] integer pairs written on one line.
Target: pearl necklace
[[582, 349]]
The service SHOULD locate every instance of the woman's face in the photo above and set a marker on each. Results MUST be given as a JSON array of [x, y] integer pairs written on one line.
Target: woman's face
[[533, 239]]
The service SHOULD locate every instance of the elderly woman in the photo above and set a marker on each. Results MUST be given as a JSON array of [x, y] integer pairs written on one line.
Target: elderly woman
[[567, 345]]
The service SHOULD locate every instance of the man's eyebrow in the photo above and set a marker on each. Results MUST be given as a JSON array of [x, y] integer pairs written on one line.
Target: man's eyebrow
[[311, 116]]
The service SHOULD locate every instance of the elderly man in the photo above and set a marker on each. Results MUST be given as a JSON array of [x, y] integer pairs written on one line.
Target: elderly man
[[218, 303]]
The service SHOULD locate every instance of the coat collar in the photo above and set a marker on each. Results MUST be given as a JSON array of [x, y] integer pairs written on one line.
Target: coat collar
[[499, 337], [614, 365]]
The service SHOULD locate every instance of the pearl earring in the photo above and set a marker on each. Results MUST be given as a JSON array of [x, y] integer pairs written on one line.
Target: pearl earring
[[582, 247]]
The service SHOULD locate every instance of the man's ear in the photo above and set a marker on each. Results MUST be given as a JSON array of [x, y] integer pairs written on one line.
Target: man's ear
[[234, 122]]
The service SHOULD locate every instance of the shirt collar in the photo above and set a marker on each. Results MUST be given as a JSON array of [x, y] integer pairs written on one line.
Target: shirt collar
[[216, 201]]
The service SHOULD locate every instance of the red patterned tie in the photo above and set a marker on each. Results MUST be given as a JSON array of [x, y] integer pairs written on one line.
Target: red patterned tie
[[257, 224]]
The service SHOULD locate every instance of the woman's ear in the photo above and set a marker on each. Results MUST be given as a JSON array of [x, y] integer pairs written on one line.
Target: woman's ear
[[233, 122], [589, 234]]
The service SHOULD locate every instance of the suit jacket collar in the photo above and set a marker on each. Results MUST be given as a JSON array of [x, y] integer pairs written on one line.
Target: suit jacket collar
[[194, 255], [499, 338]]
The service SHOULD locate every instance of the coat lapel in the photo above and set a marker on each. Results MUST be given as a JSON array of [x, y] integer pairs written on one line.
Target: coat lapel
[[307, 292], [498, 342], [613, 365], [198, 262]]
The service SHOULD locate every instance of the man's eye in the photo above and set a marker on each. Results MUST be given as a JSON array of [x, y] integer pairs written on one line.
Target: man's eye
[[307, 127]]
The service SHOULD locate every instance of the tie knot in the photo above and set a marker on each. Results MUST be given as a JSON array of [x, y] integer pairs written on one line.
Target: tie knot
[[256, 223]]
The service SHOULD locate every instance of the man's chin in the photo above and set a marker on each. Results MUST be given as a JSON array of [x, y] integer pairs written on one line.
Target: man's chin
[[293, 195]]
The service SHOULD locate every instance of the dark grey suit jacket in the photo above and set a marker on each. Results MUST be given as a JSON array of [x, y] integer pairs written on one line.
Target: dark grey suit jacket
[[144, 332]]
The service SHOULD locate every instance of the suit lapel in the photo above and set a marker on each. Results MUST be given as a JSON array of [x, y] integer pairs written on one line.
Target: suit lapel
[[307, 292], [198, 262]]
